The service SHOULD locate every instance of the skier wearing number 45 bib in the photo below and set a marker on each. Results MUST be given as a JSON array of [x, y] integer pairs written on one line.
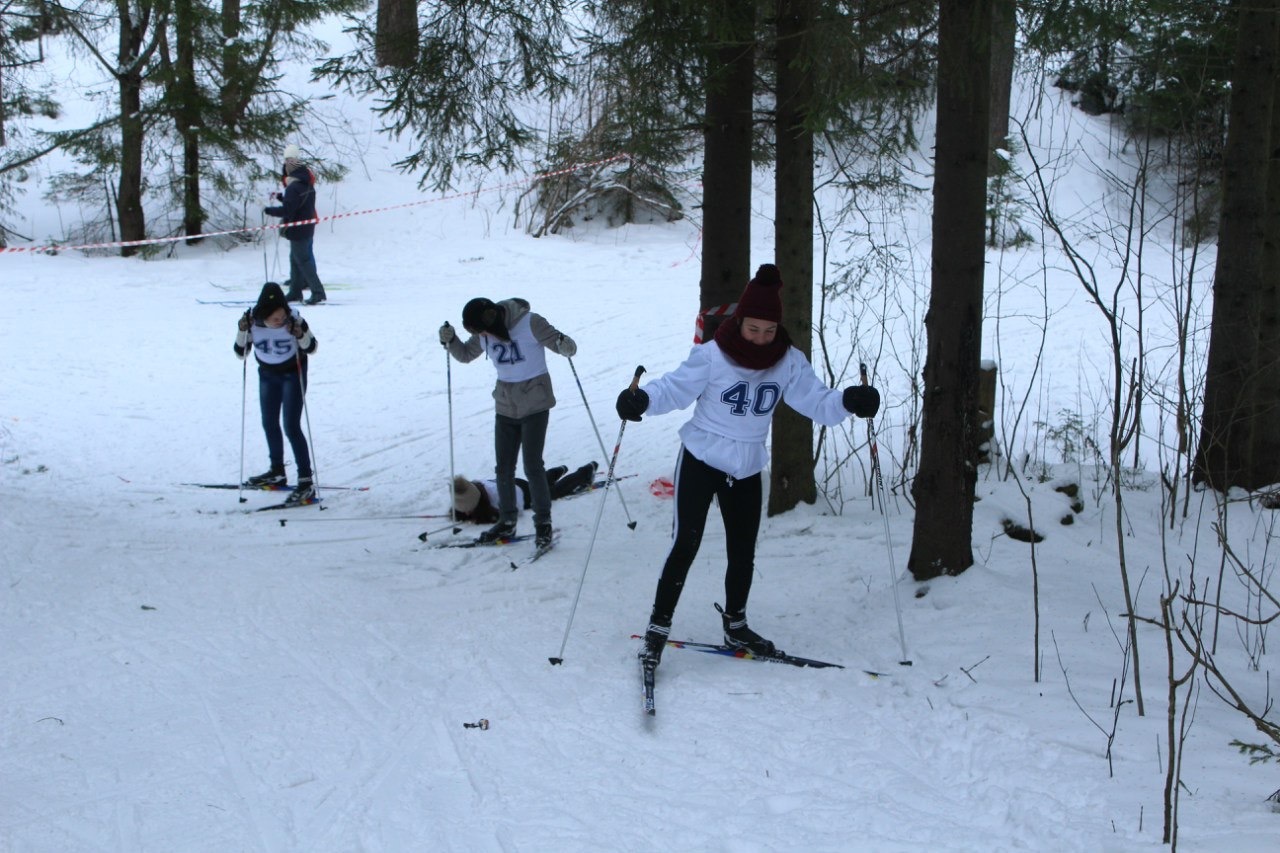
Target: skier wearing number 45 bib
[[280, 341], [736, 382], [514, 338]]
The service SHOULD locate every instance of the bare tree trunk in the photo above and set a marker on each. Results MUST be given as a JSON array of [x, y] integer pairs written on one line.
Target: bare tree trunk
[[186, 116], [396, 39], [232, 61], [726, 172], [129, 212], [3, 141], [945, 483], [792, 463], [1225, 456], [1004, 32], [1266, 434]]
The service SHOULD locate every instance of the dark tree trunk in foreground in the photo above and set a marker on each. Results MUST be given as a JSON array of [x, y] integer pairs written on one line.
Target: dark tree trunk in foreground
[[944, 485], [791, 463], [1236, 411], [726, 173], [396, 38]]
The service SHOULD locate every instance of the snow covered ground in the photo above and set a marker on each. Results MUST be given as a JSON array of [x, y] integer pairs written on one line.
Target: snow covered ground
[[181, 673]]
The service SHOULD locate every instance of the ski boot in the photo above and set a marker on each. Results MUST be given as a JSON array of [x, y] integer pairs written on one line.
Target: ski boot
[[738, 636], [655, 640], [501, 530], [542, 535], [303, 493], [272, 479]]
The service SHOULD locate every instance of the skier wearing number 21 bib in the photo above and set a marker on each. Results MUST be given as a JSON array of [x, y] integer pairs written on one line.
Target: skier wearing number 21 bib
[[515, 340], [735, 383]]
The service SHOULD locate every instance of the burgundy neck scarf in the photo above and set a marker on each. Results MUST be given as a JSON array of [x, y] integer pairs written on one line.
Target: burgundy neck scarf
[[749, 355]]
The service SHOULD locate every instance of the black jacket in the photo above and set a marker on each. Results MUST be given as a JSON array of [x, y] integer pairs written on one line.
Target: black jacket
[[298, 203]]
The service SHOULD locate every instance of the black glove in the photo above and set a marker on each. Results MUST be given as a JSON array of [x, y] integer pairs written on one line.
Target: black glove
[[246, 320], [632, 404], [862, 400], [279, 196]]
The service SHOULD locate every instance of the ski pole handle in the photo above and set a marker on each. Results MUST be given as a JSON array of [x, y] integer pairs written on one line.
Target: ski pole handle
[[862, 371], [635, 380]]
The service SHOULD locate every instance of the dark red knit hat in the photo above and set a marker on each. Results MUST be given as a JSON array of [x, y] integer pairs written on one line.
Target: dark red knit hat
[[762, 298]]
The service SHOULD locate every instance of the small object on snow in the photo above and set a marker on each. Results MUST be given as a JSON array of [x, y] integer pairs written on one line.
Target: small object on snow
[[482, 724], [147, 607]]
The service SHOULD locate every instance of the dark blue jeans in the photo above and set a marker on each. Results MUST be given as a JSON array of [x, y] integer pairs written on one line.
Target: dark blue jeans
[[302, 269], [525, 437], [281, 392]]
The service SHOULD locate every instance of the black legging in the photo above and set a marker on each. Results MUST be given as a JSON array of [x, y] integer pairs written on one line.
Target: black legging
[[696, 483]]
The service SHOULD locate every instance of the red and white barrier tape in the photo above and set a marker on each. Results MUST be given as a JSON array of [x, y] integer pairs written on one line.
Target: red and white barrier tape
[[156, 241]]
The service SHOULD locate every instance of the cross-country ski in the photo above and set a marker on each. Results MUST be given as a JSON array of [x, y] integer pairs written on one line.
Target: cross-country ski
[[745, 654]]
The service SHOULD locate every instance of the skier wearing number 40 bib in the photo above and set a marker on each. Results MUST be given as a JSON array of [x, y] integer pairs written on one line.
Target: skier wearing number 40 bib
[[736, 382], [514, 338]]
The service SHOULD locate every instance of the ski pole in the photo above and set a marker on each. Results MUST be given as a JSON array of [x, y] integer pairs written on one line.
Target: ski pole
[[452, 528], [559, 659], [630, 522], [266, 275], [244, 393], [884, 513], [284, 521], [306, 413], [448, 382]]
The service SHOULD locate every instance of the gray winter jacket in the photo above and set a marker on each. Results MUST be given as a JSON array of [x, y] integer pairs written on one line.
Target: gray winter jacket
[[529, 396]]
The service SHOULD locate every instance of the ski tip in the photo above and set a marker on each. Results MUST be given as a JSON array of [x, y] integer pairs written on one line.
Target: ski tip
[[632, 525], [556, 661], [513, 566]]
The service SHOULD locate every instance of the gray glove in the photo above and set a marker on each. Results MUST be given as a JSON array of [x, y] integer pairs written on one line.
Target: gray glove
[[566, 347], [447, 334]]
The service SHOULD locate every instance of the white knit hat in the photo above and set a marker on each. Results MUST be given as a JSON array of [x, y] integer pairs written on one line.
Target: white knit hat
[[292, 152]]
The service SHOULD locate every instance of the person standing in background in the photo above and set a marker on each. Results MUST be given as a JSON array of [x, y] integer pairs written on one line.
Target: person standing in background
[[298, 204]]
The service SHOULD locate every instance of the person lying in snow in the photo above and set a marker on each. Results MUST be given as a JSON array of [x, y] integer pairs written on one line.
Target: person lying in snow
[[477, 500]]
